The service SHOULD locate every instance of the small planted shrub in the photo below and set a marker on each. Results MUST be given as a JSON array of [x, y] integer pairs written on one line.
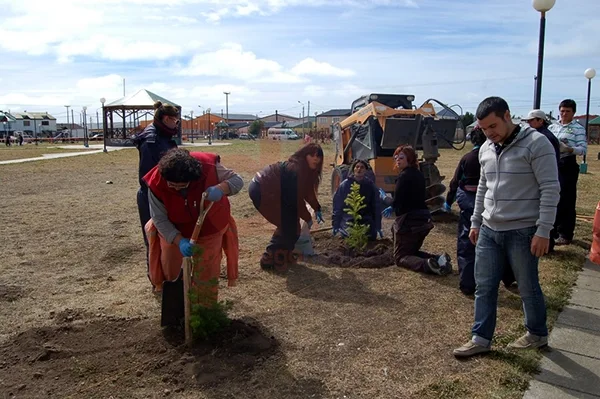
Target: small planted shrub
[[357, 232]]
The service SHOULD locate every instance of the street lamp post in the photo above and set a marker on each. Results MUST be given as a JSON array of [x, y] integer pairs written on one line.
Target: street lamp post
[[209, 127], [67, 107], [589, 74], [227, 93], [300, 102], [543, 6], [85, 134], [103, 100]]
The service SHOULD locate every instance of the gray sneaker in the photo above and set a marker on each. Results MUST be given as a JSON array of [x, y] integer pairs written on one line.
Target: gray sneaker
[[434, 266], [445, 263], [470, 349], [529, 341]]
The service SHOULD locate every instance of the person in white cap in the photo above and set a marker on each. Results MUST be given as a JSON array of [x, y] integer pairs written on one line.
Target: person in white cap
[[538, 120]]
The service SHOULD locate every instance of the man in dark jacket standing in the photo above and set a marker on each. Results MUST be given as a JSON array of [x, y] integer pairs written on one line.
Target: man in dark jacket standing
[[152, 144]]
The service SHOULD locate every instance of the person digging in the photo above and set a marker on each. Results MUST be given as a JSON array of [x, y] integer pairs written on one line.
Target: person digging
[[180, 187]]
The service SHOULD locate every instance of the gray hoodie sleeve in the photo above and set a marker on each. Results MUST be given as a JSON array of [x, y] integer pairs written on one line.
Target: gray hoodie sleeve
[[477, 219], [235, 181], [158, 212], [546, 174]]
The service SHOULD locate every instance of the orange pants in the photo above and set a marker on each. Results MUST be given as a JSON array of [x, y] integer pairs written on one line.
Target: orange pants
[[165, 262]]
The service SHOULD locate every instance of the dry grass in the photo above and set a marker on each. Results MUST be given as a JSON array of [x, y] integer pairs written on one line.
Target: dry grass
[[31, 151], [73, 242]]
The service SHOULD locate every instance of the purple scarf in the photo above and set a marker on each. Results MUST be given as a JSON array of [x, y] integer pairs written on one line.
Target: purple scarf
[[166, 131]]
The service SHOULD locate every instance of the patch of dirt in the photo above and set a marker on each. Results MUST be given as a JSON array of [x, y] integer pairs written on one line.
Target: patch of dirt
[[103, 358], [119, 254], [10, 293], [332, 251]]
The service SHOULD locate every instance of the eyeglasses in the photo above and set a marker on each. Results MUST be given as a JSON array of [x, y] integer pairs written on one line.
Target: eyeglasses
[[399, 157], [177, 186], [173, 119]]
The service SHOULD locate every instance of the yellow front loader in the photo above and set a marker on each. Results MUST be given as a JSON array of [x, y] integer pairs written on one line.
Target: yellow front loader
[[379, 123]]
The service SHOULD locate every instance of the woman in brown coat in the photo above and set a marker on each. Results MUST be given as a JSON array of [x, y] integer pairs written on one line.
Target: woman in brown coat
[[280, 192]]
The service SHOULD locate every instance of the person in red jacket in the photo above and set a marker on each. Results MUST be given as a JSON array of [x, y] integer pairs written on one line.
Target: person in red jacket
[[280, 192], [176, 186]]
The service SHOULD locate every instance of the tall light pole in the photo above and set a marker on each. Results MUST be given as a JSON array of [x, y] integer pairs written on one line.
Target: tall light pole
[[103, 100], [589, 74], [192, 124], [543, 6], [200, 122], [300, 102], [227, 93], [67, 107], [85, 135], [209, 127]]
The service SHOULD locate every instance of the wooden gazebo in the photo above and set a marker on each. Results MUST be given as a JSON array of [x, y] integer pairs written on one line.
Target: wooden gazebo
[[122, 118]]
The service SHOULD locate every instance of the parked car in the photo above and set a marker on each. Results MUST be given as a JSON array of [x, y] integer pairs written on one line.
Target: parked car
[[98, 136], [223, 136], [244, 136]]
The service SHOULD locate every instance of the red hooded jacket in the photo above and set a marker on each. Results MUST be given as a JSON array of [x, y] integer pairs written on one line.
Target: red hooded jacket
[[183, 211]]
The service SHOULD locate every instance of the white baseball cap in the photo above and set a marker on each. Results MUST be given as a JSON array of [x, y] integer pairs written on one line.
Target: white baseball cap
[[536, 113]]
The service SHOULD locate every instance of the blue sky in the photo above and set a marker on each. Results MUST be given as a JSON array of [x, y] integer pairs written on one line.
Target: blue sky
[[270, 54]]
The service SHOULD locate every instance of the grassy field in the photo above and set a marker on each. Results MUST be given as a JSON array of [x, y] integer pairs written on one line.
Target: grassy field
[[32, 151], [80, 320]]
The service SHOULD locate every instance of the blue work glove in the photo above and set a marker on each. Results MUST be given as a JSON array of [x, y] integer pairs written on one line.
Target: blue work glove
[[319, 217], [335, 231], [382, 194], [380, 232], [447, 208], [214, 193], [185, 247], [388, 212]]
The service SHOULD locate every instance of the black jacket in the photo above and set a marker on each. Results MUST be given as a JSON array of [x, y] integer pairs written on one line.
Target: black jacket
[[410, 193], [152, 145]]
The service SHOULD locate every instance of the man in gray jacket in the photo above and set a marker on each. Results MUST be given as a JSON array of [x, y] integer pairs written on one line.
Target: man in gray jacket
[[515, 208]]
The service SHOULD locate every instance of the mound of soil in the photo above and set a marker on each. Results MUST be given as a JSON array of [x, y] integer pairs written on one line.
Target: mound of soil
[[332, 251], [124, 356]]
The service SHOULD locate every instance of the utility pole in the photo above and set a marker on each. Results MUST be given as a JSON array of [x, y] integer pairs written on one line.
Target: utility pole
[[308, 115], [67, 107], [97, 121], [72, 122], [227, 93]]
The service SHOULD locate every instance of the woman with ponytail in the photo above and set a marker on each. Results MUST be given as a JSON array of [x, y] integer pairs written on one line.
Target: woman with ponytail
[[156, 139]]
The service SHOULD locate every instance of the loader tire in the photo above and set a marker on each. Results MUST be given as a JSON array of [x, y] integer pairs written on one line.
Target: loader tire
[[339, 174]]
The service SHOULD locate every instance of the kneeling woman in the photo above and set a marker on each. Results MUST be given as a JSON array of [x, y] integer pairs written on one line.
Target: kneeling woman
[[413, 220], [280, 192], [371, 213], [176, 186]]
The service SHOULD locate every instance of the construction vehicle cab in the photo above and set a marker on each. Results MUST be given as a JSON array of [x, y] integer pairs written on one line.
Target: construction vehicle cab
[[379, 123]]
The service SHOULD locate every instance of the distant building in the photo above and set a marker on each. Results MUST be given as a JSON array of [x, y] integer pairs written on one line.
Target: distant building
[[32, 123], [326, 119]]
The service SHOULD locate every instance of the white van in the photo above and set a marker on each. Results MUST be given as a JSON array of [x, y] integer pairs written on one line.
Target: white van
[[281, 134]]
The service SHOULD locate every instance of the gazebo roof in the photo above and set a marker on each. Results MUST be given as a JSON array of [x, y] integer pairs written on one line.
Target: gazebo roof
[[143, 99]]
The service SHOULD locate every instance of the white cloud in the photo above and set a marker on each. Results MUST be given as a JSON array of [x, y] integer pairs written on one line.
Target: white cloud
[[248, 9], [232, 61], [309, 66], [102, 82]]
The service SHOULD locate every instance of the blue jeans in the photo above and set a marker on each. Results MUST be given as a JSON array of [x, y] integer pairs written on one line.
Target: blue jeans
[[496, 250]]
